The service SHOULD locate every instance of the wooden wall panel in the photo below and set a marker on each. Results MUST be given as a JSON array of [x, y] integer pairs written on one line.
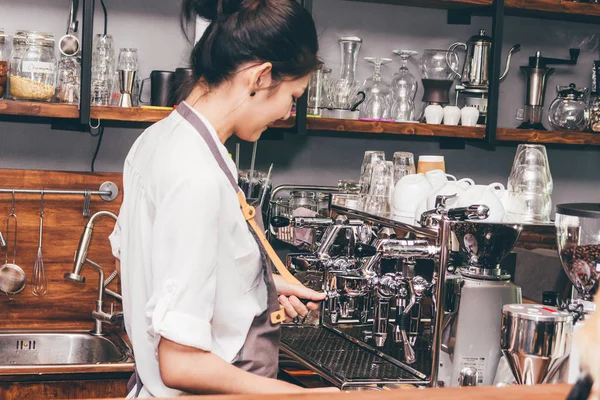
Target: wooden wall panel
[[67, 305]]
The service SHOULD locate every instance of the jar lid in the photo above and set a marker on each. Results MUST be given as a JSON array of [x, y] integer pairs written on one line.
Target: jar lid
[[33, 37], [586, 210], [571, 92], [536, 312]]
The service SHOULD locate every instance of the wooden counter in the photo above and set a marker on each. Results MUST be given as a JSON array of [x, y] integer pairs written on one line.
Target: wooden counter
[[540, 392]]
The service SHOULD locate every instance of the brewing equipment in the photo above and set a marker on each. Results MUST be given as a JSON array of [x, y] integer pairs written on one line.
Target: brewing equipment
[[536, 73], [536, 341], [401, 305], [476, 71]]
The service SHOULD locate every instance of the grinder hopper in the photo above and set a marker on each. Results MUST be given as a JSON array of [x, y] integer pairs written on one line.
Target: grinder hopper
[[535, 340]]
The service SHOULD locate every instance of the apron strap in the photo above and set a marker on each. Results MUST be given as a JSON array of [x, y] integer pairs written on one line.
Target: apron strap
[[248, 211]]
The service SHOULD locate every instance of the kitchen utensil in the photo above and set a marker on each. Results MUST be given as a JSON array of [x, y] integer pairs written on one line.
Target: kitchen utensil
[[69, 43], [536, 341], [342, 93], [39, 284], [162, 89], [536, 73], [429, 163], [404, 83], [434, 114], [469, 116], [316, 91], [12, 277], [437, 75], [370, 157], [578, 239], [127, 69], [378, 93], [488, 195], [477, 65], [409, 193], [569, 110], [451, 115], [438, 178], [380, 188], [69, 80], [103, 69]]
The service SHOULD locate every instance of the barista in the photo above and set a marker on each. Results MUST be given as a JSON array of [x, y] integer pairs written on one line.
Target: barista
[[200, 301]]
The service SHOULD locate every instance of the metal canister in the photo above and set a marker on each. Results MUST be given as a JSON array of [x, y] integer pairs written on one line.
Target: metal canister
[[536, 340]]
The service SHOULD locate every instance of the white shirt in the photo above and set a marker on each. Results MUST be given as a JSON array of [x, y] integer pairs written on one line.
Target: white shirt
[[191, 271]]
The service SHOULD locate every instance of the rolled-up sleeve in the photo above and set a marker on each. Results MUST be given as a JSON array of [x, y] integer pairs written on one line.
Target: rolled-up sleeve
[[184, 262]]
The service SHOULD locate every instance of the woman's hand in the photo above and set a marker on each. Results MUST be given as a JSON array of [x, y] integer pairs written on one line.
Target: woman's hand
[[290, 295]]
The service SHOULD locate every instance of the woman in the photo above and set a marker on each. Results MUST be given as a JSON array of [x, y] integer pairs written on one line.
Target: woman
[[200, 305]]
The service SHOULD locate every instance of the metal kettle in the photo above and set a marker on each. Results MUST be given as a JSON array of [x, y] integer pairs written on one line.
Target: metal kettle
[[476, 69]]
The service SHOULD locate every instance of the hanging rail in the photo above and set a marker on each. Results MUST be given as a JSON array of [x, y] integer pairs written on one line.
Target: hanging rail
[[108, 191]]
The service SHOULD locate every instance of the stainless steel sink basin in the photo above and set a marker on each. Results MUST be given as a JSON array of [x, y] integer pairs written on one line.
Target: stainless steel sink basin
[[42, 349]]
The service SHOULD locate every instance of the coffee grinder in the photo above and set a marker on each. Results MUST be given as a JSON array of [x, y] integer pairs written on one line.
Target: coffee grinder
[[471, 341], [536, 73], [476, 71]]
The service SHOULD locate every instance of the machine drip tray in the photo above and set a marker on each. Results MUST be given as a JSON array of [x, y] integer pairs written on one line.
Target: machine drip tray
[[340, 360]]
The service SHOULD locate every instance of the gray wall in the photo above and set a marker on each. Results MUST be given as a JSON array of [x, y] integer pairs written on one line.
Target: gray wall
[[153, 27]]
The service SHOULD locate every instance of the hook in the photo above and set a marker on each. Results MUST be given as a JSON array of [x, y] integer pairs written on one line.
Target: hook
[[97, 126], [12, 206], [42, 204], [86, 203]]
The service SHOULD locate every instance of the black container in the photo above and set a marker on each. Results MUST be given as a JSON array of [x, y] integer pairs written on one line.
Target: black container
[[162, 89]]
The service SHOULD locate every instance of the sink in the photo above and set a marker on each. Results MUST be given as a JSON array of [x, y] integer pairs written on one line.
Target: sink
[[22, 351]]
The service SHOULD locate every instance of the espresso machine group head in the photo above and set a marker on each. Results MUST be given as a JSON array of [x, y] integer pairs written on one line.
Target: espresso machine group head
[[536, 73]]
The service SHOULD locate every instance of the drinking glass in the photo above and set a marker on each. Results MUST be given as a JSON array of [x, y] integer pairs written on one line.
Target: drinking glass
[[403, 82], [69, 80], [532, 157], [378, 93], [103, 70], [380, 188], [341, 93], [370, 157], [404, 164], [128, 59]]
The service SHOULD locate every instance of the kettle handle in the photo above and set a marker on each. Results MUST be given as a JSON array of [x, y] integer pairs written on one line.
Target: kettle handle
[[452, 50]]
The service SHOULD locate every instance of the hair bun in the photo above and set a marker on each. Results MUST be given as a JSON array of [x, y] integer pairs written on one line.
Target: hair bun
[[211, 9]]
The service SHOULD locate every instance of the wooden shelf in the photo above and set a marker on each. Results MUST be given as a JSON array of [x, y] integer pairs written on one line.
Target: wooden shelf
[[554, 9], [548, 137], [38, 109], [440, 4], [134, 114], [394, 128]]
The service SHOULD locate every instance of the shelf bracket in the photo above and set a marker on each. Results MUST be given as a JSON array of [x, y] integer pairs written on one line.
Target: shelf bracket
[[87, 33]]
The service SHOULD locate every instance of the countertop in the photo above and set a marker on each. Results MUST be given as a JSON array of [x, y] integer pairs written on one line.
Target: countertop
[[541, 392]]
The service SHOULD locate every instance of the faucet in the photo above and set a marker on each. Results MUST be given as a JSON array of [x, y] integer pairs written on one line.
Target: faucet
[[98, 314]]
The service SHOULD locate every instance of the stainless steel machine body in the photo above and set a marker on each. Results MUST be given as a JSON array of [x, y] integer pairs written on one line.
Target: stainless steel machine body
[[381, 322]]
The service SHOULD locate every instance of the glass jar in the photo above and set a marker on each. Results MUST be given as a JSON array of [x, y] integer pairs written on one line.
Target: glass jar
[[569, 111], [4, 57], [300, 198], [33, 66], [69, 80]]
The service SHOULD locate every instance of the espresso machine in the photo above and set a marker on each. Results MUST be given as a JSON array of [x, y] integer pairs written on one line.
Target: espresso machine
[[475, 75], [406, 304], [536, 73]]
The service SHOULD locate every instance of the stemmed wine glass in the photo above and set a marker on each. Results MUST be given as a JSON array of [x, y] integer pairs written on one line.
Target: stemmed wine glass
[[404, 86], [378, 93]]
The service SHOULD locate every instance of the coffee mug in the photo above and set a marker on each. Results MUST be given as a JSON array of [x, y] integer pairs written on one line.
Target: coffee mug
[[451, 115], [451, 188], [488, 195], [434, 114], [184, 82], [469, 116], [408, 193], [438, 178], [162, 89], [429, 163]]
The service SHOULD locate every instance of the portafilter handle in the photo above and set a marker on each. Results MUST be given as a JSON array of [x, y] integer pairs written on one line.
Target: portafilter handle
[[300, 222], [472, 213]]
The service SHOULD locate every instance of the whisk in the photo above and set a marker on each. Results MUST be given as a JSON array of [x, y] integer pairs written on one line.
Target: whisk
[[40, 286]]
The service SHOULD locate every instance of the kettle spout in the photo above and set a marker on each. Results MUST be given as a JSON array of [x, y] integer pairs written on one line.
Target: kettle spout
[[513, 50]]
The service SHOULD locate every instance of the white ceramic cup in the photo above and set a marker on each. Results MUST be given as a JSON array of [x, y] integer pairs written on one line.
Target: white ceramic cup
[[451, 115], [449, 189], [438, 178], [434, 114], [465, 183], [488, 195], [409, 192], [469, 116]]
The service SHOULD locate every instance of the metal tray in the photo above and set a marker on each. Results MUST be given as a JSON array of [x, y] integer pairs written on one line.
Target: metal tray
[[340, 360]]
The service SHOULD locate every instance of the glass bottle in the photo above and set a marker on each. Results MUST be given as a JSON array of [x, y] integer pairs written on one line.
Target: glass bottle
[[594, 108], [69, 80], [33, 66], [4, 57]]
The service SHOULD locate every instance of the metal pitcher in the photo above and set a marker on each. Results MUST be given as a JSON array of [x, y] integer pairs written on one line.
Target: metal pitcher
[[476, 69]]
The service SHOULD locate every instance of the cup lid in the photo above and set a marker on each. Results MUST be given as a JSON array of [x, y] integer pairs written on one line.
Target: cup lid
[[536, 312], [586, 210], [431, 158]]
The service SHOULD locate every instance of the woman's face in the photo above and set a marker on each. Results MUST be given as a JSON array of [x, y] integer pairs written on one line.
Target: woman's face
[[269, 105]]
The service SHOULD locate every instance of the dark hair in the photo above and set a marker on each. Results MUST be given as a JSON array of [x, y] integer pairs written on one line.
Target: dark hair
[[281, 32]]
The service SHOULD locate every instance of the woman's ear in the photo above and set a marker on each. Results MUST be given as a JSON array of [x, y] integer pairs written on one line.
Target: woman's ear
[[261, 77]]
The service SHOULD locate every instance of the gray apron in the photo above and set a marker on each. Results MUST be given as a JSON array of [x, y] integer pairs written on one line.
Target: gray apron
[[260, 352]]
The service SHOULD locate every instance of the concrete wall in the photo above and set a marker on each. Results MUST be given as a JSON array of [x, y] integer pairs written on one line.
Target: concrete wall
[[153, 27]]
